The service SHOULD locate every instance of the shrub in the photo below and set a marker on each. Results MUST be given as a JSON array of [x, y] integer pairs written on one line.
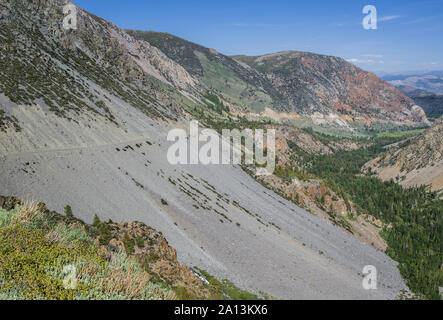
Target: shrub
[[140, 242], [96, 222], [68, 212], [32, 262], [184, 294], [129, 244]]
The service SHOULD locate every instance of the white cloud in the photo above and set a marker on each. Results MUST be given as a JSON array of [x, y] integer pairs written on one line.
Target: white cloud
[[372, 55], [355, 60], [366, 61], [387, 18], [265, 25]]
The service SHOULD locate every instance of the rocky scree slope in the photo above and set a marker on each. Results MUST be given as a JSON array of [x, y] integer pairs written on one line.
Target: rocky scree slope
[[41, 63], [86, 127]]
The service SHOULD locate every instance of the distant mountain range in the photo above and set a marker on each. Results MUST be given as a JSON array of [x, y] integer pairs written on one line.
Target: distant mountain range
[[429, 81]]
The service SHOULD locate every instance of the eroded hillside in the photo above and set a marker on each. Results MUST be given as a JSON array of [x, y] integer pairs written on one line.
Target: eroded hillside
[[85, 121], [415, 161]]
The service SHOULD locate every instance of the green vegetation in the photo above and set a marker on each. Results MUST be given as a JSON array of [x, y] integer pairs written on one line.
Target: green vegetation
[[68, 212], [400, 134], [222, 78], [290, 172], [415, 215], [44, 255], [103, 230], [129, 244], [28, 76], [225, 289], [8, 121], [216, 105]]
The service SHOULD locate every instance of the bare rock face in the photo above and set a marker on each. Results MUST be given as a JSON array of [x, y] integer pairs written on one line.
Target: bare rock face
[[154, 253], [318, 83], [415, 161]]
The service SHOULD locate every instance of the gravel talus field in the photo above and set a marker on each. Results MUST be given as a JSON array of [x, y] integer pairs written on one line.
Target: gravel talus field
[[217, 217]]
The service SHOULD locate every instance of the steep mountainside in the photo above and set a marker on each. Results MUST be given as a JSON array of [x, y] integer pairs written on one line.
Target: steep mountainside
[[415, 161], [311, 82], [431, 103], [291, 81], [43, 64], [238, 84], [86, 117]]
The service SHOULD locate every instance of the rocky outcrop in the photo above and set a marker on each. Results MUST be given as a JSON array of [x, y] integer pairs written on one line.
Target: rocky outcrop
[[432, 103], [154, 253], [135, 239], [317, 198]]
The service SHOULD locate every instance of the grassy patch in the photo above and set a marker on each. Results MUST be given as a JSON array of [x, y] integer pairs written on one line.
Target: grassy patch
[[45, 256], [399, 134], [225, 289]]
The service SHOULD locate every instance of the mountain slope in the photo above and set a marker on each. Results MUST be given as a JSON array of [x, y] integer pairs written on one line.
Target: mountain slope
[[415, 161], [312, 82], [41, 63], [113, 261], [86, 124], [431, 103], [239, 84], [291, 81]]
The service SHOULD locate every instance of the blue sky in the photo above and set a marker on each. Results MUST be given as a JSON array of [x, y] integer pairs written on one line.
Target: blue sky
[[409, 35]]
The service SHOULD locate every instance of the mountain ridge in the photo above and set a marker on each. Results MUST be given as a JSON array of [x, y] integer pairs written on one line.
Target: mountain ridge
[[275, 89], [431, 81]]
